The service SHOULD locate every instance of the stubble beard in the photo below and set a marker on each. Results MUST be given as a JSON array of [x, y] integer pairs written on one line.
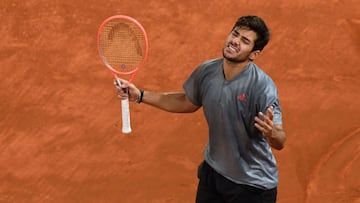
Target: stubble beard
[[234, 59]]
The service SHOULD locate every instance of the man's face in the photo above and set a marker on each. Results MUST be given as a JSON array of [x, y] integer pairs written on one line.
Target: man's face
[[239, 44]]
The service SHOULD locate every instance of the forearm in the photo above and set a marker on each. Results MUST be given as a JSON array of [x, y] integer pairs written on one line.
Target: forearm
[[277, 138], [176, 102]]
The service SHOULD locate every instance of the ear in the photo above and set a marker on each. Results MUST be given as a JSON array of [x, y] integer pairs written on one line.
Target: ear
[[254, 54]]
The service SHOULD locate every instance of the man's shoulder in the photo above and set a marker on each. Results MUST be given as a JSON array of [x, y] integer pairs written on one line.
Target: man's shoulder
[[212, 62], [258, 70], [211, 65], [261, 74]]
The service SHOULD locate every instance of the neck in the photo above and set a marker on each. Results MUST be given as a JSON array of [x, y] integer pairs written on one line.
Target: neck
[[233, 68]]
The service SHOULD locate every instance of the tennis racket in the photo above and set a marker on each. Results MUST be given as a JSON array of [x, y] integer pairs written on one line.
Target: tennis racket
[[123, 48]]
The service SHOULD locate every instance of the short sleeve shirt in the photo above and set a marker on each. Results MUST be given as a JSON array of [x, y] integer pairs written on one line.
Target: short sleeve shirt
[[236, 149]]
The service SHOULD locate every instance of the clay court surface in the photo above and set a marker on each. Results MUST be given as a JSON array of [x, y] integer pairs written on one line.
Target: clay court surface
[[60, 119]]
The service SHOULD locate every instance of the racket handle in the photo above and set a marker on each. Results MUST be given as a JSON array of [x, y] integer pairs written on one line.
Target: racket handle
[[125, 111]]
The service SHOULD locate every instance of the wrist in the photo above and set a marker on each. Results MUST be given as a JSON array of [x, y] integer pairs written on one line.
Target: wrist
[[140, 96]]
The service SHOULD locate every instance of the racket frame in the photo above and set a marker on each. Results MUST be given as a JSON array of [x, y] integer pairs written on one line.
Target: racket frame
[[126, 125]]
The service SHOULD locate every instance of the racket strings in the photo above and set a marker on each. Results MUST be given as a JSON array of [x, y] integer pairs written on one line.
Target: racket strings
[[122, 45]]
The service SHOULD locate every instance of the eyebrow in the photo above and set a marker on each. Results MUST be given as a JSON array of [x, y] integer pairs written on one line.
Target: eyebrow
[[242, 37]]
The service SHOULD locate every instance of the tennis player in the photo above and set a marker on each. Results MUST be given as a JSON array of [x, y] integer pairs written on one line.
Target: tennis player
[[241, 105]]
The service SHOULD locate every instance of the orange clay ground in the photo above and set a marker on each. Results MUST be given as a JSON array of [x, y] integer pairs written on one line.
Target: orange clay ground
[[60, 119]]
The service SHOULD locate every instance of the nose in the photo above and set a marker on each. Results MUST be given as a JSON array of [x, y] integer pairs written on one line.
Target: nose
[[235, 41]]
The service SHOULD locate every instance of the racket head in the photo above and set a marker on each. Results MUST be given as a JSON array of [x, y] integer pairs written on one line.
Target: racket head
[[122, 44]]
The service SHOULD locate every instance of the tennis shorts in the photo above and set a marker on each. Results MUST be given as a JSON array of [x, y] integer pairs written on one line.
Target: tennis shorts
[[215, 188]]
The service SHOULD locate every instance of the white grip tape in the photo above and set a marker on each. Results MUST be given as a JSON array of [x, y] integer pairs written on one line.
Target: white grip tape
[[125, 111]]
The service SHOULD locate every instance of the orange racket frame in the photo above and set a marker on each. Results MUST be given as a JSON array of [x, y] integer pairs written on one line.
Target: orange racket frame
[[126, 126]]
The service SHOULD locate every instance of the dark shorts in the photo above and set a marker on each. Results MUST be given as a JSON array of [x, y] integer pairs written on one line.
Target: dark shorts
[[215, 188]]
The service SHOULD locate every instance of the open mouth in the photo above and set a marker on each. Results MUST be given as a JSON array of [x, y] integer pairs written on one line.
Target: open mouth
[[232, 49]]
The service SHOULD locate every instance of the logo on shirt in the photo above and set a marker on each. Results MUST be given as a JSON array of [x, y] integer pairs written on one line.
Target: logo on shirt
[[242, 97]]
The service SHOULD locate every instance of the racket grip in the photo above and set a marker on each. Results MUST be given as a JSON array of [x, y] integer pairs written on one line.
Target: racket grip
[[125, 111]]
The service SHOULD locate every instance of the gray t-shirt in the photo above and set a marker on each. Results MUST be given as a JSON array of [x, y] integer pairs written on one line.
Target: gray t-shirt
[[236, 149]]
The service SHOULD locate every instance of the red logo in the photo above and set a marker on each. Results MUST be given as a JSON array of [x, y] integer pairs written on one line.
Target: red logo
[[242, 97]]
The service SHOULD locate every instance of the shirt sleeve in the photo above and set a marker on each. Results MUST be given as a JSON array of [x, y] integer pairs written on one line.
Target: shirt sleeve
[[192, 87], [277, 113], [269, 97]]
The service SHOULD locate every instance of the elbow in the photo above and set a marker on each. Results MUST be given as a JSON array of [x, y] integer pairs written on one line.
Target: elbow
[[278, 142], [189, 109], [279, 147]]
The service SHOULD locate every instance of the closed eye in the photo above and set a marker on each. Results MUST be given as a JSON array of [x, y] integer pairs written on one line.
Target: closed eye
[[245, 40], [235, 33]]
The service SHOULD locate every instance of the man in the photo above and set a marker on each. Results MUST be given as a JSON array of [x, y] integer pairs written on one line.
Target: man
[[242, 109]]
